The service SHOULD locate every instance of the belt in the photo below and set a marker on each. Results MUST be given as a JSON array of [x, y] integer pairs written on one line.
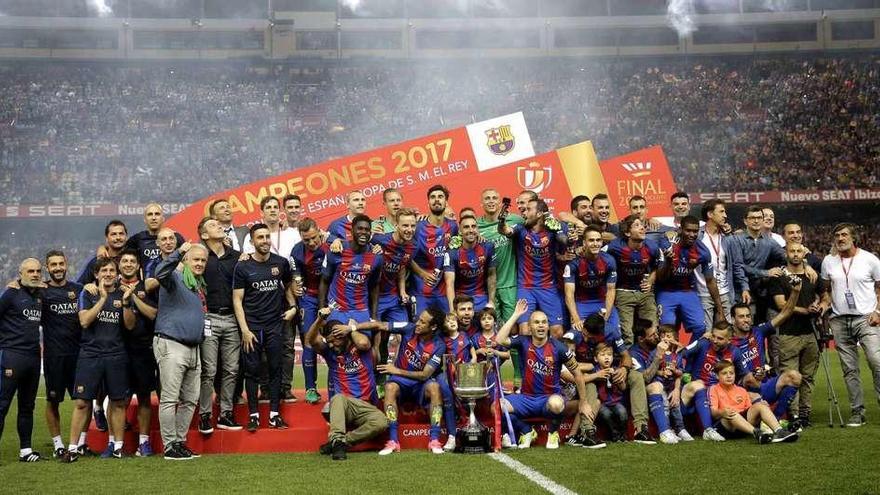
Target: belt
[[222, 311], [173, 339]]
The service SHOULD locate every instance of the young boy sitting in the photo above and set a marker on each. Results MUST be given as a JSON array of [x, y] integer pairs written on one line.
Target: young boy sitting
[[612, 412]]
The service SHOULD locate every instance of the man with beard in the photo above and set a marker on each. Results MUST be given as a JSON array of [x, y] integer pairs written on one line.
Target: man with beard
[[260, 296], [145, 241], [61, 336], [105, 318], [681, 207], [730, 277], [116, 237], [20, 312], [536, 248], [348, 282], [600, 212], [307, 262], [522, 200], [341, 228], [432, 240], [505, 262], [463, 307], [470, 268], [590, 283], [676, 281]]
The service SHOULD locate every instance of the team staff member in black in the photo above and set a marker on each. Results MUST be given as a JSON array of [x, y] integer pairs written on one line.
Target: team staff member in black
[[144, 242], [61, 336], [20, 310], [224, 342], [102, 356], [261, 284], [142, 369]]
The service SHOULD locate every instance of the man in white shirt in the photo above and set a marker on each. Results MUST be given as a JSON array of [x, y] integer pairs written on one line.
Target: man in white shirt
[[282, 237], [853, 276], [733, 285], [769, 223]]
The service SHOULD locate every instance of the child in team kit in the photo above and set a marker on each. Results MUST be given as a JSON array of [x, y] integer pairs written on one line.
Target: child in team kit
[[735, 412], [670, 375], [612, 413]]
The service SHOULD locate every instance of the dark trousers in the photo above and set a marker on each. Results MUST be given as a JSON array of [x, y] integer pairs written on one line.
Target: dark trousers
[[19, 372], [270, 343]]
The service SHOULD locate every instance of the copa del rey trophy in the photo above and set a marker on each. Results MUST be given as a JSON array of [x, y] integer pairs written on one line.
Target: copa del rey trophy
[[470, 385]]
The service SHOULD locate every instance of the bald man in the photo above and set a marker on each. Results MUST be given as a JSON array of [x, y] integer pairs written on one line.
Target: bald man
[[145, 241], [20, 310]]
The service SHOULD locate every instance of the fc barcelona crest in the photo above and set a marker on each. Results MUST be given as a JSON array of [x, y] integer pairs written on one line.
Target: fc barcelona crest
[[71, 295], [549, 360], [275, 271], [500, 140]]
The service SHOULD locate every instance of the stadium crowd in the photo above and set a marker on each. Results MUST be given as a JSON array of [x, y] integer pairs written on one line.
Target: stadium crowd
[[106, 133], [588, 312]]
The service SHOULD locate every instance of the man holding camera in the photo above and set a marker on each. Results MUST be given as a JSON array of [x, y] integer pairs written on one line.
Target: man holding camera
[[853, 291]]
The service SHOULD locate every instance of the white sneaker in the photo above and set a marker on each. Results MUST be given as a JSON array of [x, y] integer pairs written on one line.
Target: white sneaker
[[506, 443], [668, 437], [435, 447], [526, 439], [390, 447], [684, 436], [450, 444], [553, 440], [713, 435]]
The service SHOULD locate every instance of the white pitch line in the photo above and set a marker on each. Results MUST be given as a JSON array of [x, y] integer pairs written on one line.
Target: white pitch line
[[532, 475]]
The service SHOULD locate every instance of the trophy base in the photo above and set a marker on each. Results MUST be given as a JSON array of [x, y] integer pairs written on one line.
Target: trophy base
[[473, 439]]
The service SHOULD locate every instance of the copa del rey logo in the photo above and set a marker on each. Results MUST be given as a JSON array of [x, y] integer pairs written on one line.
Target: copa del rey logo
[[637, 169], [500, 140], [534, 176]]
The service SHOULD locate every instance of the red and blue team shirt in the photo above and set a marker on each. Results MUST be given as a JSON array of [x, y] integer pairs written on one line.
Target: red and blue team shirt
[[415, 353], [633, 264], [590, 278], [351, 275], [339, 229], [609, 393], [459, 347], [585, 344], [351, 373], [395, 257], [671, 360], [536, 257], [702, 357], [642, 358], [309, 265], [431, 244], [471, 268], [685, 260], [541, 365], [482, 341], [752, 346]]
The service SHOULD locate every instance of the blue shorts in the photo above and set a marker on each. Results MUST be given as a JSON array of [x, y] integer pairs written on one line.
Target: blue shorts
[[684, 306], [480, 303], [60, 373], [391, 309], [93, 371], [411, 390], [768, 390], [612, 320], [547, 300], [360, 316], [529, 406], [425, 302]]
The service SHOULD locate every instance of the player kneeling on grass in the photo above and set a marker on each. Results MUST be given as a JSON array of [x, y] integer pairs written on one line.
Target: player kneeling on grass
[[735, 413], [353, 397], [542, 359], [419, 356]]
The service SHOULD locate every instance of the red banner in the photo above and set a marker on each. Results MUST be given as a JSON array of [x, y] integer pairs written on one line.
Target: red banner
[[641, 173], [795, 196]]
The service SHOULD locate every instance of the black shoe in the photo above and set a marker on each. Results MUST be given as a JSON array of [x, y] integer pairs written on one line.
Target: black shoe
[[784, 435], [339, 450], [278, 423], [253, 423], [325, 449], [590, 441], [182, 446], [643, 436], [761, 436], [175, 453], [205, 427], [34, 456], [84, 451], [227, 422], [70, 456], [100, 420], [573, 441], [59, 453]]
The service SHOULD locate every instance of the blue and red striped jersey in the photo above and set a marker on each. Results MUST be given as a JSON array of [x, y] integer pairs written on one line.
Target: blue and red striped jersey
[[541, 366], [351, 275], [536, 257], [351, 373], [459, 347], [481, 341], [685, 260], [309, 265], [752, 346], [610, 394], [431, 244], [471, 268], [395, 257], [415, 353], [585, 344], [339, 229], [633, 264], [590, 278], [701, 357]]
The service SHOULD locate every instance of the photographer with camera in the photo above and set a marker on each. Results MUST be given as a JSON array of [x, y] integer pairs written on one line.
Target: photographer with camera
[[798, 346], [853, 290]]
